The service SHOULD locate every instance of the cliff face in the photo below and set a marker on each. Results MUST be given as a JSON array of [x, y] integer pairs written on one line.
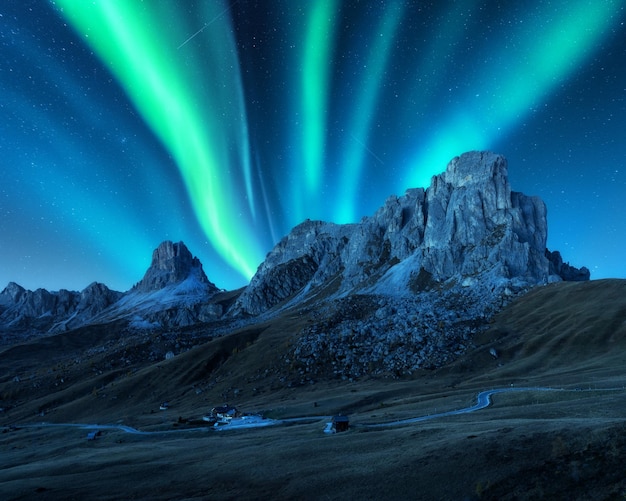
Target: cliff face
[[409, 287], [468, 226], [475, 223]]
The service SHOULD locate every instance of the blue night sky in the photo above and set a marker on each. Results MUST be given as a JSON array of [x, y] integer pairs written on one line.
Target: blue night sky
[[124, 123]]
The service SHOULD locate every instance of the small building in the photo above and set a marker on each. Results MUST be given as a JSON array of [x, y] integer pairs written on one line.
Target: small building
[[92, 435], [225, 412], [340, 423]]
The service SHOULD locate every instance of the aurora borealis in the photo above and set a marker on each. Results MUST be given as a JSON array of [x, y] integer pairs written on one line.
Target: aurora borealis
[[225, 123]]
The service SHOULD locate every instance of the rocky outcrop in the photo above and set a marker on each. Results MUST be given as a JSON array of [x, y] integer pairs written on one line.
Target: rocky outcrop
[[174, 292], [467, 227], [172, 263], [20, 302], [310, 255], [12, 294], [477, 224], [409, 287], [96, 297], [404, 289], [565, 270], [93, 300], [45, 311]]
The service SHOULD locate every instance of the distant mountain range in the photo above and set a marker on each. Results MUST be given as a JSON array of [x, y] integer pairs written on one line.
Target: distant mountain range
[[407, 287]]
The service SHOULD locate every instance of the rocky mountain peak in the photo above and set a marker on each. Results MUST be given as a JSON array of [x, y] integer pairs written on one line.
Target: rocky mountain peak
[[467, 227], [96, 297], [172, 263], [12, 293], [174, 291]]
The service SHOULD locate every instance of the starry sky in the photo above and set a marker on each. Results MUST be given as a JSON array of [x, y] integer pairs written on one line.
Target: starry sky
[[225, 123]]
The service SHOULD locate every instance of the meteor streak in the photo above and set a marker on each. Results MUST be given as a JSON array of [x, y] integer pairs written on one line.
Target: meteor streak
[[206, 25], [367, 149]]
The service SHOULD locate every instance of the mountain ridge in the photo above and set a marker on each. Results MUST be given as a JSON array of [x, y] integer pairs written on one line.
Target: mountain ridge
[[468, 234], [329, 346]]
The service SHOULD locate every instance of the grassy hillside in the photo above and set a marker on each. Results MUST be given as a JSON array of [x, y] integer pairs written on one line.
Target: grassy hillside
[[528, 445]]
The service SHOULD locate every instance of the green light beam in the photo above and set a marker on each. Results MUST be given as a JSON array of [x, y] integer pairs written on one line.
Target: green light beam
[[543, 61], [126, 37], [364, 111], [315, 76]]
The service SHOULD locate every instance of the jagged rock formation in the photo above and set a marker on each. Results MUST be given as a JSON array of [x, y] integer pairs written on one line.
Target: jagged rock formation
[[404, 289], [24, 303], [467, 226], [172, 263], [565, 270], [476, 224], [174, 292], [410, 286], [23, 310], [96, 297]]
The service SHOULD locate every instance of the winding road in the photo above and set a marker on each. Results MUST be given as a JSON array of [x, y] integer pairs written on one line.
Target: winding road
[[483, 400]]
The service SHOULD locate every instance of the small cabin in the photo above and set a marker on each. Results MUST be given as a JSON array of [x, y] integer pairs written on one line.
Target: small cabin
[[92, 435], [340, 423], [225, 412]]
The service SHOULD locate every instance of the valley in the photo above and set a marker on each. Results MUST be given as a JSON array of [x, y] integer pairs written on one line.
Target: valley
[[525, 445], [440, 296]]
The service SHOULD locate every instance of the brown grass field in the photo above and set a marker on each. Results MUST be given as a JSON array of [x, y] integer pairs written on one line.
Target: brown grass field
[[526, 445]]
